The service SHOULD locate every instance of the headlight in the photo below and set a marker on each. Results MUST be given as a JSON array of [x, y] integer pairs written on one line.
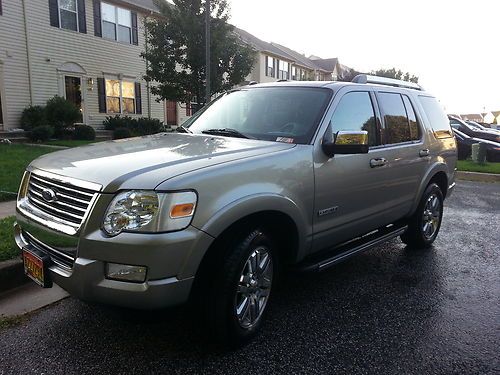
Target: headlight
[[149, 211]]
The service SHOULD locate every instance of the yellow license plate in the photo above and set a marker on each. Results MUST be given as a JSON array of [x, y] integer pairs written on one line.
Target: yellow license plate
[[34, 268]]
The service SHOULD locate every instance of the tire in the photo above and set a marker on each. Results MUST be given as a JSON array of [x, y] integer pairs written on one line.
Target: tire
[[425, 223], [247, 272]]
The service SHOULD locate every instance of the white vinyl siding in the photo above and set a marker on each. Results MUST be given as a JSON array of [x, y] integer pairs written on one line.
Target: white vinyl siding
[[50, 49]]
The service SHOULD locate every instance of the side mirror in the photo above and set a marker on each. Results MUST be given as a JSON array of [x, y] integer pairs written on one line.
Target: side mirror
[[345, 142]]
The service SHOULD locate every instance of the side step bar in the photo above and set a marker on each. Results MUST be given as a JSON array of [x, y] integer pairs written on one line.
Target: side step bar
[[350, 248]]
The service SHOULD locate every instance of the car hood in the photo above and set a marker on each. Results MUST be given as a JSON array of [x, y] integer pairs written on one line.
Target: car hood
[[145, 162]]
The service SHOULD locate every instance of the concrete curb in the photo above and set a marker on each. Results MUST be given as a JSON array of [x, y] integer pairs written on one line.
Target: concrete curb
[[477, 176], [12, 274]]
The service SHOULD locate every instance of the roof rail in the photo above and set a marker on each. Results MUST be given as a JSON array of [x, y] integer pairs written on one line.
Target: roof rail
[[252, 83], [366, 78], [282, 80]]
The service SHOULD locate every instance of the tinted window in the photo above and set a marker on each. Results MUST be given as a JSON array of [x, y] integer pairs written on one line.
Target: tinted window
[[437, 118], [412, 118], [355, 112], [397, 128], [284, 114]]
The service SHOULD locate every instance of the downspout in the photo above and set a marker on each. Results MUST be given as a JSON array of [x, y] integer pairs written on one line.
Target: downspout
[[148, 83], [28, 53]]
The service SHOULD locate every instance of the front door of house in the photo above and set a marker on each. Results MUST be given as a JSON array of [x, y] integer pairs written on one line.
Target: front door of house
[[73, 91]]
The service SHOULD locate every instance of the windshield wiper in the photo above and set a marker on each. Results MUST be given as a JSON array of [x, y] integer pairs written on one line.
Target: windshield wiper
[[226, 132], [182, 129]]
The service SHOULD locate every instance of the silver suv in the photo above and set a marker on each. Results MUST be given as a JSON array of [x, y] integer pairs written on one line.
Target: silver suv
[[265, 177]]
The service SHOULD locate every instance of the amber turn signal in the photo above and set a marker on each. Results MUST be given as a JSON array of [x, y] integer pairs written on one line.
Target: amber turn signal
[[182, 210]]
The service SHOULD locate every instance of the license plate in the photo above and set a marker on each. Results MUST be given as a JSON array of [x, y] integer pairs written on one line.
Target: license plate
[[36, 268]]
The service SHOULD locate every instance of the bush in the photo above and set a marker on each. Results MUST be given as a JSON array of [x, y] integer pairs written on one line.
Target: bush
[[146, 126], [115, 122], [41, 133], [32, 116], [61, 113], [84, 132], [139, 126], [120, 133]]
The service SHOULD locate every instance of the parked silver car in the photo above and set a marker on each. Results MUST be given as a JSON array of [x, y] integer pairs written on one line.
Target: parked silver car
[[266, 176]]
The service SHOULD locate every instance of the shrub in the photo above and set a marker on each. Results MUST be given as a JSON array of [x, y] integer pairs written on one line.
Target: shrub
[[41, 133], [115, 122], [84, 132], [120, 133], [146, 126], [61, 113], [139, 126], [32, 116]]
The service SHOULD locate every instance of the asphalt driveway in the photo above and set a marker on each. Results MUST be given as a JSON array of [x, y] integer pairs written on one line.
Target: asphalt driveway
[[389, 310]]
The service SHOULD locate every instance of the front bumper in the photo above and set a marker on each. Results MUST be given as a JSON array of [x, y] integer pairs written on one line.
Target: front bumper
[[171, 258]]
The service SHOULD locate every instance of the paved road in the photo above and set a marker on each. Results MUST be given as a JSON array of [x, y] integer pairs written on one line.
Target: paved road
[[390, 310]]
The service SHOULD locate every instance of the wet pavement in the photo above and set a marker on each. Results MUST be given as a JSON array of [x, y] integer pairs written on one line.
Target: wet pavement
[[390, 310]]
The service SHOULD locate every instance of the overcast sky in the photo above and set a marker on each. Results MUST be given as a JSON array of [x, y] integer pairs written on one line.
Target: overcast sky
[[453, 46]]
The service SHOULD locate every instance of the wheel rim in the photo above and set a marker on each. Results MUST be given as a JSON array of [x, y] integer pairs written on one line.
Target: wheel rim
[[254, 287], [431, 216]]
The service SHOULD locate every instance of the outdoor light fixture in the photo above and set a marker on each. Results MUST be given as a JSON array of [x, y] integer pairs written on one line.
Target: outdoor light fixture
[[90, 84]]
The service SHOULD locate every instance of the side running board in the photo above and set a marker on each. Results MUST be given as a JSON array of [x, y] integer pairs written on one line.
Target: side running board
[[347, 249]]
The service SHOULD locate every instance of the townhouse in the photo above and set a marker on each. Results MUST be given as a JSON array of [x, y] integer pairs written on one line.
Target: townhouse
[[87, 51], [276, 62]]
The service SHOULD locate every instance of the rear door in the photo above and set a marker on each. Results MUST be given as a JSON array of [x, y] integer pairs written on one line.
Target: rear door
[[407, 156]]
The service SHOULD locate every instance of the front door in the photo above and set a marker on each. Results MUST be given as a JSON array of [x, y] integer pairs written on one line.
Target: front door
[[73, 92], [350, 198]]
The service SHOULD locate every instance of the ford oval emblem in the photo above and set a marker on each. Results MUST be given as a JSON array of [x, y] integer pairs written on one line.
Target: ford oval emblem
[[49, 195]]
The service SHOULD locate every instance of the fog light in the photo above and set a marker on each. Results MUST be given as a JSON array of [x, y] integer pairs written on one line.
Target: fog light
[[124, 272]]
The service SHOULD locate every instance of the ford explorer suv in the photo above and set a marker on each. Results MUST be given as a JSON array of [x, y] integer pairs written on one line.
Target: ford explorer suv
[[266, 177]]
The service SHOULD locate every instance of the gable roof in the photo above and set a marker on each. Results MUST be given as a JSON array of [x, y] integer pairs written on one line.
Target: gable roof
[[326, 64], [143, 4], [298, 57], [261, 45]]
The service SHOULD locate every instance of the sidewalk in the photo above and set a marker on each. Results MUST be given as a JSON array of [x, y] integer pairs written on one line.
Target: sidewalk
[[7, 209]]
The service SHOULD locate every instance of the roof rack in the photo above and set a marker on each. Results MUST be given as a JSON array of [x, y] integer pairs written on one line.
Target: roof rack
[[252, 83], [282, 80], [366, 78]]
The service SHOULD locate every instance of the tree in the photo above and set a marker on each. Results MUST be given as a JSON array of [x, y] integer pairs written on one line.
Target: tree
[[397, 74], [175, 51]]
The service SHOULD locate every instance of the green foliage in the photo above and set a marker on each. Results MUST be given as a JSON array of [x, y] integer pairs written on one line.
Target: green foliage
[[32, 116], [397, 74], [84, 132], [176, 51], [41, 133], [8, 248], [114, 122], [61, 113], [120, 133], [13, 161], [139, 126]]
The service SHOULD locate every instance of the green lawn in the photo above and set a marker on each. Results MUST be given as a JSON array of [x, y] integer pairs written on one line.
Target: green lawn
[[13, 161], [68, 143], [470, 166], [8, 248]]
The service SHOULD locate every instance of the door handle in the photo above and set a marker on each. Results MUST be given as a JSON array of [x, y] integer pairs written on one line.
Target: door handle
[[424, 152], [378, 162]]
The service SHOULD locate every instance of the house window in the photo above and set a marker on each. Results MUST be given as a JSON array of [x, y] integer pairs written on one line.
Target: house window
[[68, 14], [283, 70], [269, 66], [294, 73], [116, 23], [120, 96]]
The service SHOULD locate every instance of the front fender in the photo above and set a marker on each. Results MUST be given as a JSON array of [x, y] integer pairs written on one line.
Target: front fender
[[255, 203]]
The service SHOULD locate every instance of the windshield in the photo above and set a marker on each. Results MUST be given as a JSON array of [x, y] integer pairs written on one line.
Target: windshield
[[282, 114]]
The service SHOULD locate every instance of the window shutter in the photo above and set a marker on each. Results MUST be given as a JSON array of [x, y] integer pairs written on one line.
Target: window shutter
[[97, 18], [1, 8], [138, 98], [276, 68], [135, 35], [82, 18], [54, 13], [101, 93]]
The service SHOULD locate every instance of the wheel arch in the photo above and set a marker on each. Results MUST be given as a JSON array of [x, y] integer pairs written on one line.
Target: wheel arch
[[437, 174]]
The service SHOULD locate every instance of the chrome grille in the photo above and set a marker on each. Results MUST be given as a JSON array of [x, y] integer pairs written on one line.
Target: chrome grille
[[71, 203]]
